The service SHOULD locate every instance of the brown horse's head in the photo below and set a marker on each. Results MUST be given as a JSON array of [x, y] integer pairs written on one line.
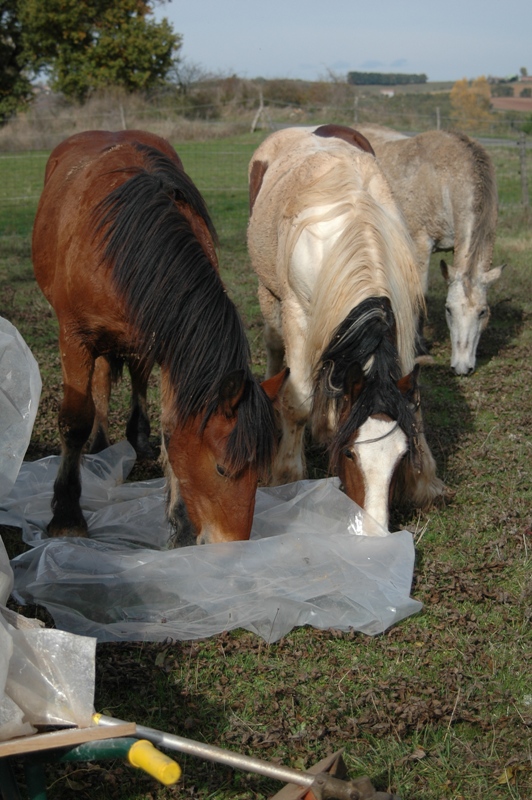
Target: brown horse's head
[[369, 457], [214, 462]]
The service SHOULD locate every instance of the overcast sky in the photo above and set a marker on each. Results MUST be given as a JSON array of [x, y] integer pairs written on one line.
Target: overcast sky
[[310, 39]]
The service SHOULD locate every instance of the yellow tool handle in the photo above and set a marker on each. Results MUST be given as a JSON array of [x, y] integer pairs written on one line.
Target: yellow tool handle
[[144, 755]]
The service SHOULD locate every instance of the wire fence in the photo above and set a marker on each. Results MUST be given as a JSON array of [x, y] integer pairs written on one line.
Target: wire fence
[[215, 166], [213, 169]]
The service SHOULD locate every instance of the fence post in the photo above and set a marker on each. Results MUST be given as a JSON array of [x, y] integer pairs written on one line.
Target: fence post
[[259, 112], [522, 159]]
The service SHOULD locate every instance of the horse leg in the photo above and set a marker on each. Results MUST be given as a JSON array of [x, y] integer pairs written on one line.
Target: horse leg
[[295, 401], [76, 417], [423, 248], [289, 463], [138, 426], [273, 338], [101, 392], [422, 346]]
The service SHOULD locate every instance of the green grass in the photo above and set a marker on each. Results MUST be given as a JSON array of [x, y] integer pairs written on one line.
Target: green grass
[[440, 706], [225, 168], [508, 169], [21, 180]]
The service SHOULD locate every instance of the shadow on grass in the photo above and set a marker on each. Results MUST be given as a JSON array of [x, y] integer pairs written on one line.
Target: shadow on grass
[[505, 325]]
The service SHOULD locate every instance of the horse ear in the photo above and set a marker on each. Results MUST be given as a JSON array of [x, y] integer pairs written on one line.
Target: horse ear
[[255, 181], [492, 275], [408, 386], [349, 135], [273, 385], [231, 392], [353, 382], [447, 271]]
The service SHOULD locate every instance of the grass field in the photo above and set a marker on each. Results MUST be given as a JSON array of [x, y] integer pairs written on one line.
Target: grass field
[[440, 706]]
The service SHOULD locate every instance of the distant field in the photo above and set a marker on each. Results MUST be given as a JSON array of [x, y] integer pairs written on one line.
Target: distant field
[[512, 103]]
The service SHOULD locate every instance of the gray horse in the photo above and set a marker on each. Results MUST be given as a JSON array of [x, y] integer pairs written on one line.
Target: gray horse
[[445, 184]]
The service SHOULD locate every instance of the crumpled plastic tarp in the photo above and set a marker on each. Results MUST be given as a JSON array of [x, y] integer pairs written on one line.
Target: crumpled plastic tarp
[[308, 561], [20, 390], [47, 676]]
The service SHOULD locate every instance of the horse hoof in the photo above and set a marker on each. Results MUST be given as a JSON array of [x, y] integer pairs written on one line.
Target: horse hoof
[[75, 532], [142, 446], [57, 529], [145, 453], [99, 443], [447, 496]]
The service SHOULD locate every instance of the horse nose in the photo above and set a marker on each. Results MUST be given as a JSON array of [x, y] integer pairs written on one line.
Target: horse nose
[[462, 370]]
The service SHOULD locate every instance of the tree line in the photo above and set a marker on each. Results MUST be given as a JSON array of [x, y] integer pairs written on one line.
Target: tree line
[[81, 46], [384, 78]]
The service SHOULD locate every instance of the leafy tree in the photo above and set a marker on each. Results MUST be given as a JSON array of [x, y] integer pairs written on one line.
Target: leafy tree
[[470, 104], [527, 125], [184, 74], [15, 85], [502, 90], [385, 78], [86, 45]]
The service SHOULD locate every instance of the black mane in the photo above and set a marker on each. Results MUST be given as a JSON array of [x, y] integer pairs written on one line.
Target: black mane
[[362, 351], [183, 316]]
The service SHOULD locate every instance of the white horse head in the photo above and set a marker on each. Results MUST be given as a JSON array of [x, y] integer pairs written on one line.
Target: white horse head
[[467, 313]]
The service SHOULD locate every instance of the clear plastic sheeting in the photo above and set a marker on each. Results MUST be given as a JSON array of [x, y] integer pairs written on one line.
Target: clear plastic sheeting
[[47, 677], [309, 561], [20, 390]]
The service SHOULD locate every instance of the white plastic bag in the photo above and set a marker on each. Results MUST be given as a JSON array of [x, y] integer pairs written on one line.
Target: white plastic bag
[[20, 390], [47, 676]]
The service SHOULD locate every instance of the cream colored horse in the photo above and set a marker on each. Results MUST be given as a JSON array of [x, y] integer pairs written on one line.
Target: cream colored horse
[[445, 184], [340, 295]]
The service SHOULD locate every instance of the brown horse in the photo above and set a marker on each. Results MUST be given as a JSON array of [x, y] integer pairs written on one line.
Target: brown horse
[[125, 252], [445, 184], [340, 295]]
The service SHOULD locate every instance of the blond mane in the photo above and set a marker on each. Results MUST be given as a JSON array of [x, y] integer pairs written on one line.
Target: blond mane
[[372, 255]]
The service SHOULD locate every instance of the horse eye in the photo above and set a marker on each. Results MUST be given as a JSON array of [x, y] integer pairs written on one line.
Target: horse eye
[[482, 313], [348, 454], [221, 470], [448, 311]]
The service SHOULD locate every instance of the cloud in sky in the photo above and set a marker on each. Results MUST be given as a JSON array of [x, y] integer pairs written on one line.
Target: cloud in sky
[[399, 62], [372, 65]]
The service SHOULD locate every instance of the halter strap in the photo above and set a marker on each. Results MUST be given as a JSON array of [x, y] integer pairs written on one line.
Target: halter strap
[[377, 438]]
